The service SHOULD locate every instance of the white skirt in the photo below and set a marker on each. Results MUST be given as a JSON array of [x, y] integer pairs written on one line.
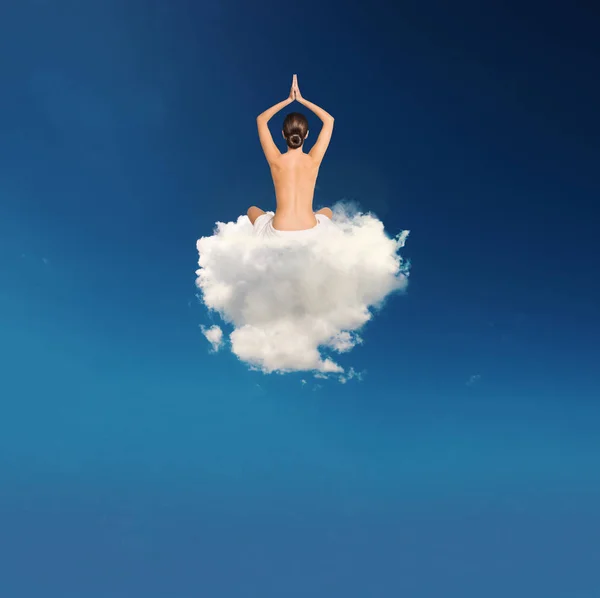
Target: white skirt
[[263, 227]]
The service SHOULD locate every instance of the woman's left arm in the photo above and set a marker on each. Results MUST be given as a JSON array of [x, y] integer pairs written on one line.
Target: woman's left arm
[[264, 134], [269, 148], [267, 114]]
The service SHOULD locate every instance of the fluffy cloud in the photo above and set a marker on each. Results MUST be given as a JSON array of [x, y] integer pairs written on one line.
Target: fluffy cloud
[[214, 335], [292, 303]]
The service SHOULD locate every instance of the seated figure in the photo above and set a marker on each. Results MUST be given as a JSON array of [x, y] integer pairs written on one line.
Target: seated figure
[[294, 173]]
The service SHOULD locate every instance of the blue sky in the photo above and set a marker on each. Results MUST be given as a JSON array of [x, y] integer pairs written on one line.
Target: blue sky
[[136, 463]]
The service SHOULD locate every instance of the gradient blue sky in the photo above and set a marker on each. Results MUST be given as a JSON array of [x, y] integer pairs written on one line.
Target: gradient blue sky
[[135, 463]]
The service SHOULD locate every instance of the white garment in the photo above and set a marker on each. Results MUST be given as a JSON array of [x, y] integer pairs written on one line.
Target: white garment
[[263, 227]]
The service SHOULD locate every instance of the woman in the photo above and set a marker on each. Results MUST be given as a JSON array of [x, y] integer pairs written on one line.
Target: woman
[[294, 172]]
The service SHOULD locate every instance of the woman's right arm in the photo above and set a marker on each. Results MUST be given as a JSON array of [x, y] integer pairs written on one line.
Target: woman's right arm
[[320, 147], [318, 150], [324, 116]]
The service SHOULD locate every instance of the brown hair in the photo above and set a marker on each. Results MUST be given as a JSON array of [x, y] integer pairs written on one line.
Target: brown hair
[[295, 128]]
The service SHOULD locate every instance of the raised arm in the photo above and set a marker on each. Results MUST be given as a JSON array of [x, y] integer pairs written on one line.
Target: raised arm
[[264, 134], [320, 147]]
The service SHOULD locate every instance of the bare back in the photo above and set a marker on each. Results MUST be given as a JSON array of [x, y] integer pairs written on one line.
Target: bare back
[[294, 173], [294, 177]]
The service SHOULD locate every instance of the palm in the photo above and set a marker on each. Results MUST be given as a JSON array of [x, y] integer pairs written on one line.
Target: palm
[[295, 90]]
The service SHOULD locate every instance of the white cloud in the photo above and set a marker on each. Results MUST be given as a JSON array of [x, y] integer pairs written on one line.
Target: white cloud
[[291, 303], [352, 373], [214, 335]]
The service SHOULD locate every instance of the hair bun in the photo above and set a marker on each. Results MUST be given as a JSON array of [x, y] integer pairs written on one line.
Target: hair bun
[[295, 129]]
